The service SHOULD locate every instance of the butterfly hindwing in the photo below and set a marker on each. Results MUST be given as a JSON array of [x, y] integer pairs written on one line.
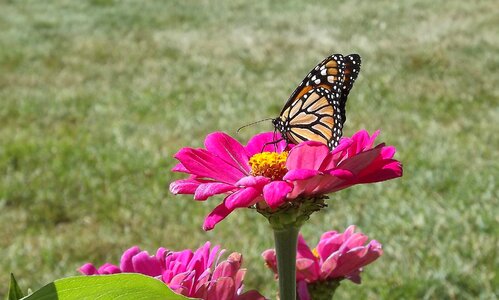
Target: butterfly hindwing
[[315, 116]]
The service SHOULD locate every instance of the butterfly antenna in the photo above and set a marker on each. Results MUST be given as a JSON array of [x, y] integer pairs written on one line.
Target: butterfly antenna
[[250, 124], [273, 138]]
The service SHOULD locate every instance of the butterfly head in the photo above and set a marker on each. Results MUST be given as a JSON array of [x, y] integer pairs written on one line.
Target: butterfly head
[[276, 122], [279, 124]]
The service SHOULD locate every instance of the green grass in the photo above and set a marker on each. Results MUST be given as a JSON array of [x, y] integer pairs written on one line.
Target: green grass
[[96, 97]]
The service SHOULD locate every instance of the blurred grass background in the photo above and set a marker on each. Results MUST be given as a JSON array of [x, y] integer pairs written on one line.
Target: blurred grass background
[[96, 97]]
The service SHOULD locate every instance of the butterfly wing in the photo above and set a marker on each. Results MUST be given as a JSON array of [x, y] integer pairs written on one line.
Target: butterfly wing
[[350, 73], [329, 73], [315, 111], [315, 116]]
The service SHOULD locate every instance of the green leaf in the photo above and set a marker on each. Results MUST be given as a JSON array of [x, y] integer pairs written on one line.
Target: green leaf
[[15, 292], [117, 286]]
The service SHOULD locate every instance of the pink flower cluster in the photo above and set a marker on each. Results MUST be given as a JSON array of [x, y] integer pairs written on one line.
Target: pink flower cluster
[[199, 274], [336, 257], [250, 174]]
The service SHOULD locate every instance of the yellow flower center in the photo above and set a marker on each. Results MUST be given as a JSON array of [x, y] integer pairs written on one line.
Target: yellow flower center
[[315, 253], [269, 164]]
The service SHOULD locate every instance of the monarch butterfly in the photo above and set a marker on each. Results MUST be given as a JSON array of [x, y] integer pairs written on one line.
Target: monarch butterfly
[[315, 111]]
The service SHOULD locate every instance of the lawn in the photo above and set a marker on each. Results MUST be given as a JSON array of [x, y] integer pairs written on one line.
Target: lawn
[[96, 97]]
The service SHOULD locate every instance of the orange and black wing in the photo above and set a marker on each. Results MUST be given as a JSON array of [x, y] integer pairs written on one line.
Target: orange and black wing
[[328, 74], [315, 111], [315, 116]]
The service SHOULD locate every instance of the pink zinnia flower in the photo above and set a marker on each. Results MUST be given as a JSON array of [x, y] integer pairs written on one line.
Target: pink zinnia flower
[[272, 174], [337, 256], [198, 274]]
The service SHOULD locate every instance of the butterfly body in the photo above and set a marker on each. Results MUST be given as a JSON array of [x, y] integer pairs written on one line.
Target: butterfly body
[[316, 109]]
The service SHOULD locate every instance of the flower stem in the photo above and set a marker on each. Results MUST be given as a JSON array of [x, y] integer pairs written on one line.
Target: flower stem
[[285, 245]]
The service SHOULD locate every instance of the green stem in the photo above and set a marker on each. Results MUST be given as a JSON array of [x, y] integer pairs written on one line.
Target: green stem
[[285, 245]]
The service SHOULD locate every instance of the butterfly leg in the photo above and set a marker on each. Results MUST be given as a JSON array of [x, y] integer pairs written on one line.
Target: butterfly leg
[[272, 143]]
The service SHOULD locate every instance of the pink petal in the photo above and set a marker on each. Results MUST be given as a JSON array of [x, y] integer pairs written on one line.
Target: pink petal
[[349, 231], [303, 250], [270, 259], [167, 276], [223, 288], [306, 269], [88, 269], [161, 254], [225, 269], [229, 150], [329, 234], [345, 143], [326, 247], [335, 156], [362, 141], [302, 290], [206, 190], [357, 258], [354, 276], [201, 291], [213, 255], [356, 240], [300, 174], [178, 261], [359, 142], [387, 152], [341, 174], [180, 280], [265, 142], [275, 193], [178, 267], [306, 261], [329, 265], [182, 290], [185, 186], [147, 265], [205, 164], [253, 181], [108, 268], [359, 162], [309, 155], [201, 255], [236, 258], [321, 184], [239, 278], [126, 264], [180, 168], [349, 262], [242, 198], [389, 169], [218, 214], [250, 295]]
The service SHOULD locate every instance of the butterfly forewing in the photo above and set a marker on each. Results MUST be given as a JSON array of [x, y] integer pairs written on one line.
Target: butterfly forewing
[[350, 73], [352, 69], [328, 73]]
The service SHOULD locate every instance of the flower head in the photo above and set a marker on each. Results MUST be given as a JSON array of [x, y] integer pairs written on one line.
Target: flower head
[[271, 174], [199, 274], [337, 256]]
